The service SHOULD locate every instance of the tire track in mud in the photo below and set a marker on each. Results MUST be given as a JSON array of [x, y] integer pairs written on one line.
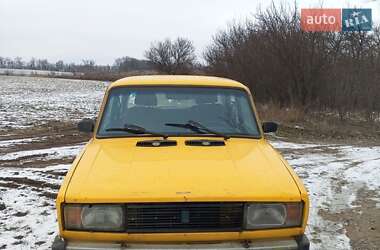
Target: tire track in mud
[[36, 126], [31, 172]]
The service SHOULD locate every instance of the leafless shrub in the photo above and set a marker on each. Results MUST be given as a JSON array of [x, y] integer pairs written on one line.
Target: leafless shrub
[[273, 112], [312, 71]]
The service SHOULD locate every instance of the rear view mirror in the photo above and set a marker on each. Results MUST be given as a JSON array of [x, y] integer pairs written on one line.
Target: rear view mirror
[[269, 127], [86, 125]]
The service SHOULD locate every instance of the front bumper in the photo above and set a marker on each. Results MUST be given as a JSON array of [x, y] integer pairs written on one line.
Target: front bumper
[[298, 243]]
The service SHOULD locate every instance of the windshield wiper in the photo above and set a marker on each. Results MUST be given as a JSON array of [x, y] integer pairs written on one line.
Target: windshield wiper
[[197, 127], [134, 129]]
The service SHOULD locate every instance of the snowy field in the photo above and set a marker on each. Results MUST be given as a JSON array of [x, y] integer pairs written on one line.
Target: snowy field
[[27, 101], [33, 166]]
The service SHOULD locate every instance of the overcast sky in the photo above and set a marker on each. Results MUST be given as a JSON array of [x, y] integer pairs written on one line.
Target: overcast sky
[[104, 30]]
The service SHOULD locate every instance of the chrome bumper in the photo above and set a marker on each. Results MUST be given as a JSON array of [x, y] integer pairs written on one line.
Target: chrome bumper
[[299, 243]]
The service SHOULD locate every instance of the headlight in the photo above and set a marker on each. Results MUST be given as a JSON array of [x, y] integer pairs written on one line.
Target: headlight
[[273, 215], [94, 217]]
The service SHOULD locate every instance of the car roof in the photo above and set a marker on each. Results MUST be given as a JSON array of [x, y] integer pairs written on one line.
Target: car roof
[[178, 80]]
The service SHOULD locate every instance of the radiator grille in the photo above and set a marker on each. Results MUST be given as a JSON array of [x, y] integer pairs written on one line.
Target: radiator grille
[[184, 217]]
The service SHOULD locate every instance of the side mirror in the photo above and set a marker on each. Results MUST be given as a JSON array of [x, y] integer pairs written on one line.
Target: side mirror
[[86, 125], [269, 127]]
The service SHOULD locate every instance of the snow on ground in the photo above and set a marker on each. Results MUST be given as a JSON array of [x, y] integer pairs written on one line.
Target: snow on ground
[[27, 205], [48, 154], [30, 220], [289, 145], [366, 169], [25, 101], [8, 143], [333, 175]]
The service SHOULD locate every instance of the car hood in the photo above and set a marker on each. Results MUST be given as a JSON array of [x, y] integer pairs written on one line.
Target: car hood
[[116, 170]]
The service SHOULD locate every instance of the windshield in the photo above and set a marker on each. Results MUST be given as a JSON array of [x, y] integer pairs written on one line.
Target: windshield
[[155, 109]]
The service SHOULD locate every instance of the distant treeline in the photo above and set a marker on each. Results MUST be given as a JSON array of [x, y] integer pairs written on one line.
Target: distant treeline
[[123, 64]]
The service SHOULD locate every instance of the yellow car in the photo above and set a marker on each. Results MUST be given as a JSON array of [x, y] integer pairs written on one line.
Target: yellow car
[[180, 162]]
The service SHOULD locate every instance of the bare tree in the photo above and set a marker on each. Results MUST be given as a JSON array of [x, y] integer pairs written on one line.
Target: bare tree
[[172, 57], [60, 65], [18, 63], [88, 65]]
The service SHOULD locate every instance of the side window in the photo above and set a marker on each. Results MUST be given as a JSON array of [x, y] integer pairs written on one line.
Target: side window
[[116, 109]]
